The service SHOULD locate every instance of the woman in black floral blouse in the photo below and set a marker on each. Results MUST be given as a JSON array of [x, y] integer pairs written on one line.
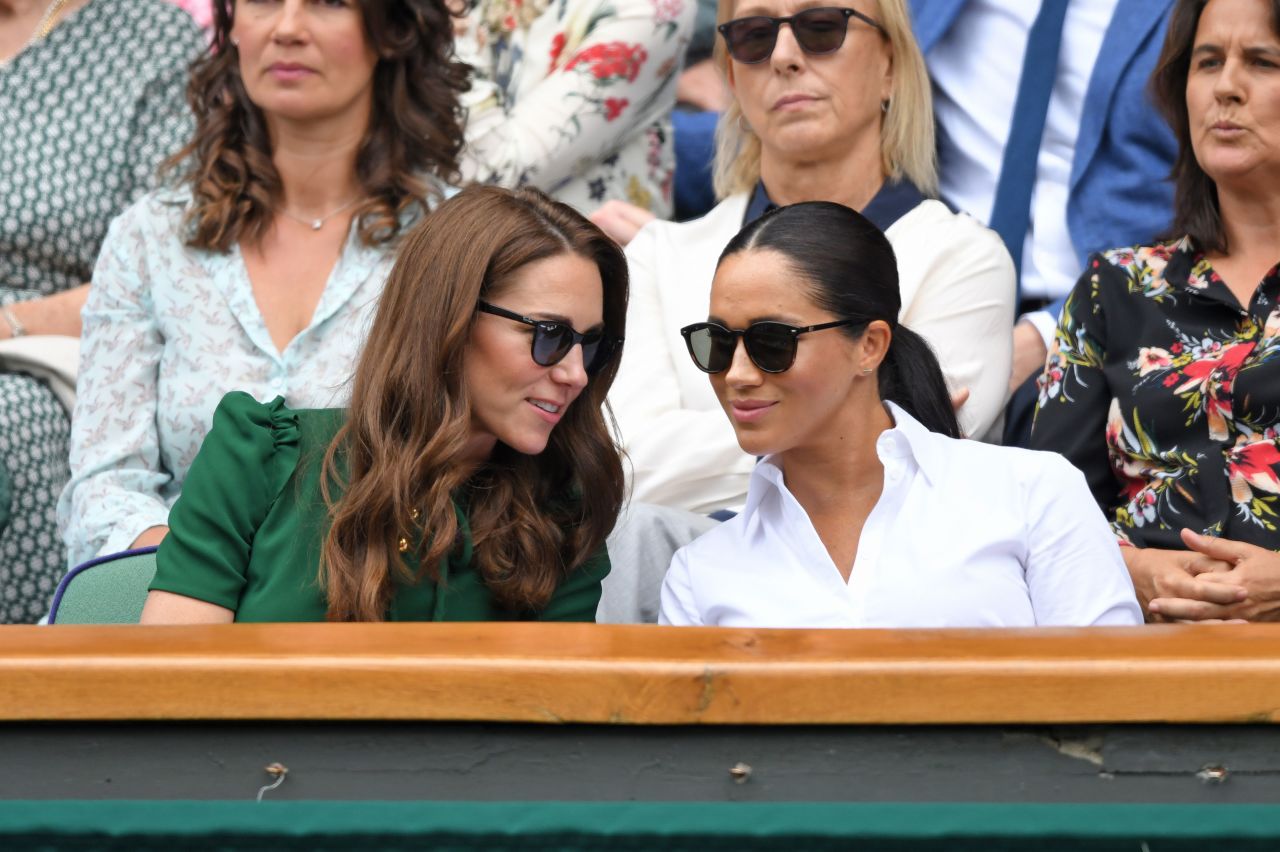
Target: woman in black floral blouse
[[1163, 385]]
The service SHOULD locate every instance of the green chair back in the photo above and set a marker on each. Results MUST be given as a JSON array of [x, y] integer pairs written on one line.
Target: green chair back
[[110, 590]]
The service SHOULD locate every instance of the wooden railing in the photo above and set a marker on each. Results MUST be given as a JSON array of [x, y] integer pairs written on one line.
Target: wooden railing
[[641, 674]]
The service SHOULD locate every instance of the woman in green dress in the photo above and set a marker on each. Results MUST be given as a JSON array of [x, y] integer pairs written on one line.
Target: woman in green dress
[[466, 482]]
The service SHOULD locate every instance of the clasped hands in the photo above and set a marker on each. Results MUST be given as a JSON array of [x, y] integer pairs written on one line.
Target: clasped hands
[[1215, 579]]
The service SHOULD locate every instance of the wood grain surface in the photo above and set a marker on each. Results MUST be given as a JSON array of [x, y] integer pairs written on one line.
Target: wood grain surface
[[585, 673]]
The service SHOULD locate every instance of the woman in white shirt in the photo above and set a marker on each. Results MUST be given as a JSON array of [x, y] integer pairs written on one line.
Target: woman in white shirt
[[867, 510], [832, 104]]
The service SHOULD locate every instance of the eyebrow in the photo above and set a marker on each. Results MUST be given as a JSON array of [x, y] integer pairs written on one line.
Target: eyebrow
[[753, 11], [785, 320], [1252, 50], [563, 320]]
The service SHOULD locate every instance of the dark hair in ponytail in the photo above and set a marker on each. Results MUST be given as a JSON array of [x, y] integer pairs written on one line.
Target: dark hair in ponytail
[[852, 273]]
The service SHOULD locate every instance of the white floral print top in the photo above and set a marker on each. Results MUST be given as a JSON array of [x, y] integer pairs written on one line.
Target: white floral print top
[[168, 331], [574, 97]]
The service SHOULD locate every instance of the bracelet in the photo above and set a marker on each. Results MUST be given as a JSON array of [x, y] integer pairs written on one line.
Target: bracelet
[[16, 328]]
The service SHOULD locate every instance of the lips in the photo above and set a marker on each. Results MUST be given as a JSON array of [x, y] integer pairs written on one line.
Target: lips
[[548, 410], [289, 70], [750, 410], [793, 100]]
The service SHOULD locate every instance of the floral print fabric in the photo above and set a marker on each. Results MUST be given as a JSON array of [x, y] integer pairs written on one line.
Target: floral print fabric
[[168, 331], [574, 97], [1165, 391]]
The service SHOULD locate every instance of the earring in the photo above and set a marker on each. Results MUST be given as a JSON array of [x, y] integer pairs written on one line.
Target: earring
[[866, 371], [235, 42], [884, 105]]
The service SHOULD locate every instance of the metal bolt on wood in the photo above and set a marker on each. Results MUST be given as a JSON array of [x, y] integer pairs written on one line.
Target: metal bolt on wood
[[1212, 774]]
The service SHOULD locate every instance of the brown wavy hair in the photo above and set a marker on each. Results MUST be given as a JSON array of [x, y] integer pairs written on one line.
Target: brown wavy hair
[[399, 460], [415, 128], [1196, 212]]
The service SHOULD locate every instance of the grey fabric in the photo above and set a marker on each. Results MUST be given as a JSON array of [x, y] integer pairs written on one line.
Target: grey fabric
[[86, 117], [6, 499], [88, 114], [640, 550], [34, 433]]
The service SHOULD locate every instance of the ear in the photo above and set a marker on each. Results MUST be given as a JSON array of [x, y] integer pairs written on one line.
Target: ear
[[873, 345], [886, 85]]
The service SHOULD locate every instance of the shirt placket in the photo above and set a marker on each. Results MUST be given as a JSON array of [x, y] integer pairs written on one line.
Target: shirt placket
[[899, 470]]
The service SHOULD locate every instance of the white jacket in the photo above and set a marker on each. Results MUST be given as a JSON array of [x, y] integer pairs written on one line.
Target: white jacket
[[958, 292]]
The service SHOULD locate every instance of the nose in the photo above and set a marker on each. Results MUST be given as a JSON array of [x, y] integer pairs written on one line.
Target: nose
[[786, 50], [1227, 86], [742, 372], [289, 21], [571, 371]]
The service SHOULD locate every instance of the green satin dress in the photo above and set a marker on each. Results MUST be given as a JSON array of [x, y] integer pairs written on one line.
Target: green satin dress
[[247, 531]]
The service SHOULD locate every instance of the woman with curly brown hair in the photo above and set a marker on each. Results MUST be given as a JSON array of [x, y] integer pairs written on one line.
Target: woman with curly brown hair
[[472, 477], [324, 130]]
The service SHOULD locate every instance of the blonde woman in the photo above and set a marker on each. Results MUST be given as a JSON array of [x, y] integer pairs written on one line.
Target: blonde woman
[[829, 104]]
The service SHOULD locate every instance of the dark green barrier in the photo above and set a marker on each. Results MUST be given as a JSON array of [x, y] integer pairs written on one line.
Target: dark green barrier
[[522, 827]]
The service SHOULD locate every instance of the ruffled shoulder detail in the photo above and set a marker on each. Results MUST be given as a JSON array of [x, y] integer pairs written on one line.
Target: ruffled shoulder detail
[[246, 460], [261, 436]]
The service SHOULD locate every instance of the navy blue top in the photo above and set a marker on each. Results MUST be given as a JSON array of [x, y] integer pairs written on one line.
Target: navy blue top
[[894, 200]]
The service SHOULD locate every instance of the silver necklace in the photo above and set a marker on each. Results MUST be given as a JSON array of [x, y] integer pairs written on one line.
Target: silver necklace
[[42, 29], [317, 223]]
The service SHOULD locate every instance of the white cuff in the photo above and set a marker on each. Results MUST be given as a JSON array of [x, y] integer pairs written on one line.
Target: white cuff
[[1045, 323]]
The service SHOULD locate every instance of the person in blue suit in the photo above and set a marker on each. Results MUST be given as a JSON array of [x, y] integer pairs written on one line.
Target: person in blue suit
[[1101, 165]]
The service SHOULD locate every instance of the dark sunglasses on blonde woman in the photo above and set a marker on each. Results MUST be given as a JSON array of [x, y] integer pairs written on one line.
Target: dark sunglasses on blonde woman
[[771, 346], [751, 40], [552, 340]]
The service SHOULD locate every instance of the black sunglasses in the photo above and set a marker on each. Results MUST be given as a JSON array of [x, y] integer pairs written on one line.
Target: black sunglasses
[[553, 340], [822, 30], [771, 346]]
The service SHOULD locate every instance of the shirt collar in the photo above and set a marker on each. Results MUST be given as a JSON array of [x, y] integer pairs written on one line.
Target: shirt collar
[[894, 200], [911, 436], [908, 437]]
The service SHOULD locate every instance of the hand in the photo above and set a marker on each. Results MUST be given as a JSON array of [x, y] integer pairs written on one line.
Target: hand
[[150, 537], [958, 399], [1029, 354], [702, 86], [1164, 575], [621, 220], [56, 314], [1252, 569]]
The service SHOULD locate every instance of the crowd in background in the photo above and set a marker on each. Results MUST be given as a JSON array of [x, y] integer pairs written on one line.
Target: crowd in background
[[886, 264]]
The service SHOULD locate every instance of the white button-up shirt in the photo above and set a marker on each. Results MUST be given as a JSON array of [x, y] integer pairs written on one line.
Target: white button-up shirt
[[964, 534], [975, 69]]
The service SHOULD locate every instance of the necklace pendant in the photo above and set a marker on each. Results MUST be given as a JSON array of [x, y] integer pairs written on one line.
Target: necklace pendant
[[316, 224]]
